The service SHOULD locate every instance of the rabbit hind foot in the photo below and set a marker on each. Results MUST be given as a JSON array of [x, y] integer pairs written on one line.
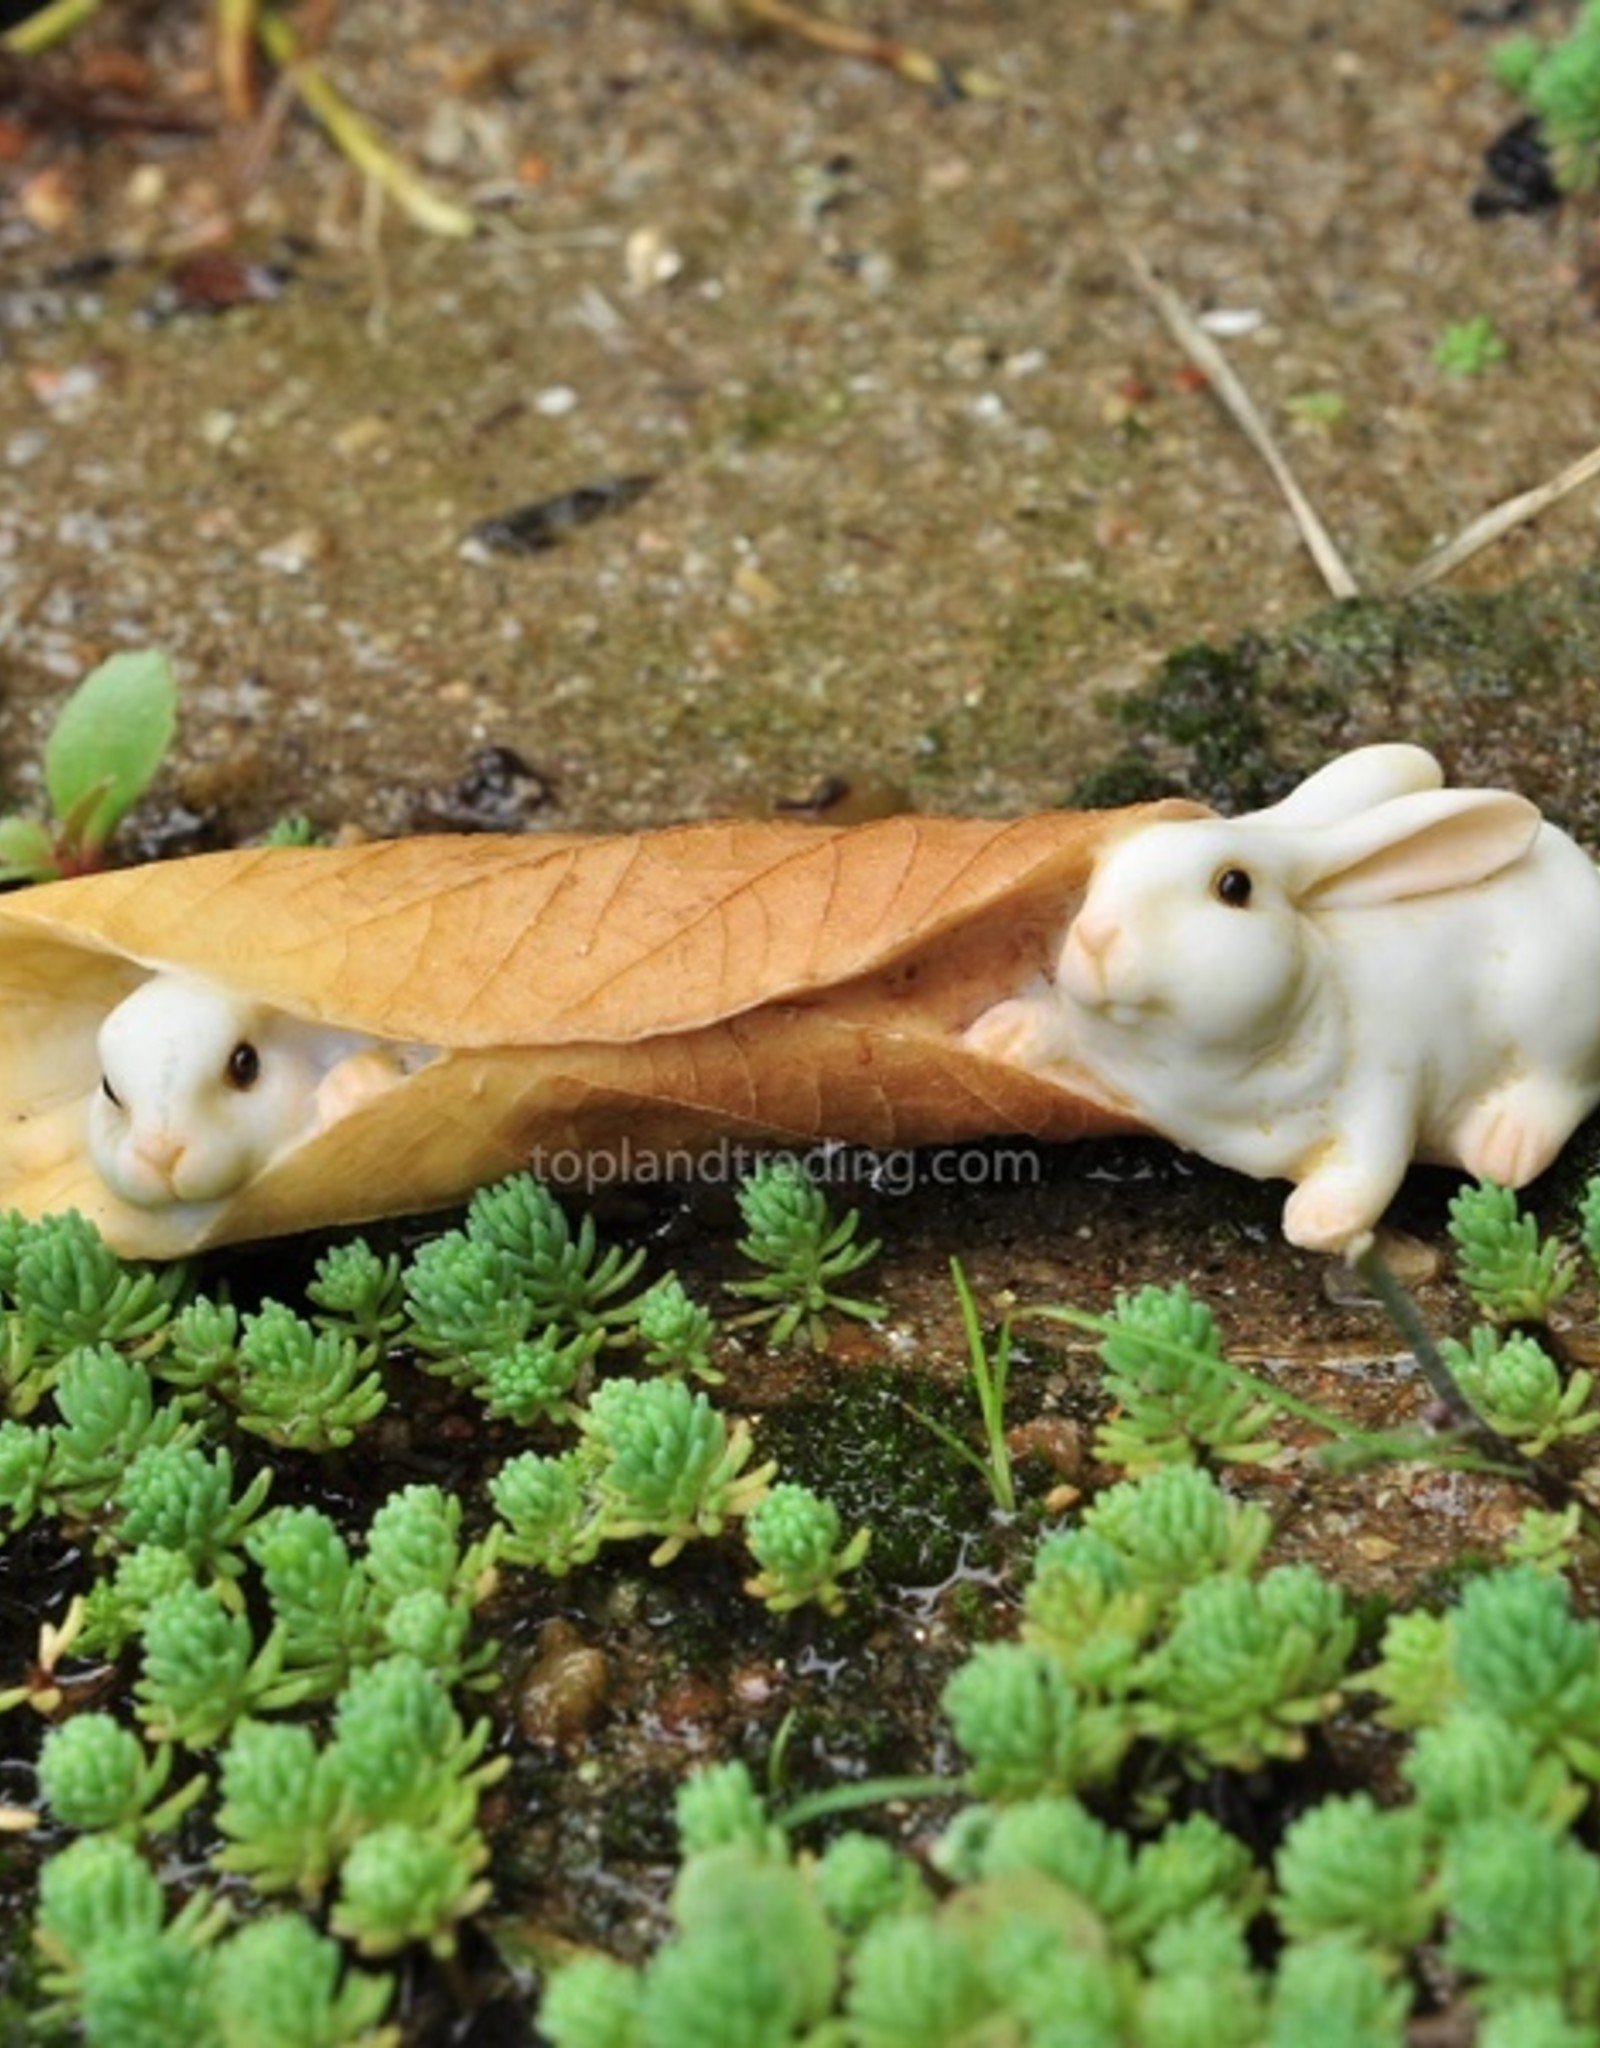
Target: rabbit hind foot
[[1516, 1132]]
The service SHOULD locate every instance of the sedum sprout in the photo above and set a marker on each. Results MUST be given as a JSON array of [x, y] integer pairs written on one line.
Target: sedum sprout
[[793, 1536], [143, 1992], [115, 1609], [318, 1597], [911, 1984], [1513, 1384], [1473, 1765], [547, 1520], [96, 1774], [25, 1458], [1194, 1863], [1415, 1675], [1015, 1713], [201, 1670], [564, 1276], [177, 1497], [791, 1232], [677, 1332], [1536, 2020], [535, 1378], [1248, 1664], [1345, 1867], [1519, 1651], [201, 1347], [719, 1806], [861, 1878], [403, 1753], [359, 1292], [1524, 1911], [302, 1388], [593, 2002], [108, 1416], [1512, 1275], [1177, 1528], [283, 1808], [98, 1889], [70, 1290], [1174, 1394], [277, 1984], [401, 1884], [414, 1544], [463, 1306], [1339, 1995], [1060, 1839], [672, 1467], [750, 1921]]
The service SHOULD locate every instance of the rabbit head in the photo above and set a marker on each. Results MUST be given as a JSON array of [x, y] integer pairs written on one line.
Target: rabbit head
[[1229, 975], [1190, 927]]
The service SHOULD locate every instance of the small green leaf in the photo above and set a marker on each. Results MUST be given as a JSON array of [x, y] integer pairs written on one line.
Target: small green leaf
[[27, 852], [111, 737]]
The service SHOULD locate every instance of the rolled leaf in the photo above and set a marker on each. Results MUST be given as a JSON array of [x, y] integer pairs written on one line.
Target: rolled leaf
[[608, 999]]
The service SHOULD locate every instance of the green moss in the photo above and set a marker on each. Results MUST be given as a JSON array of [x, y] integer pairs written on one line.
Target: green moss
[[869, 1455], [1497, 681]]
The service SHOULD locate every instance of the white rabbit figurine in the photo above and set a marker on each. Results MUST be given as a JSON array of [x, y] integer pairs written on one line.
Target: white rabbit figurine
[[200, 1089], [1374, 970]]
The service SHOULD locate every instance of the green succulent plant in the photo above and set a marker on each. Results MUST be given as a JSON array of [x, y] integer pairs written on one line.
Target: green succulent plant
[[670, 1465], [403, 1884], [566, 1276], [1514, 1385], [1513, 1274], [108, 1417], [202, 1671], [358, 1291], [179, 1497], [1174, 1396], [1524, 1912], [1248, 1665], [284, 1810], [677, 1332], [278, 1983], [95, 1774], [1347, 1867], [548, 1520], [302, 1388], [795, 1539], [791, 1232], [1026, 1729]]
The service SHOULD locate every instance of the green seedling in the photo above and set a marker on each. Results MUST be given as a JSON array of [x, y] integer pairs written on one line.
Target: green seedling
[[108, 741], [1469, 347]]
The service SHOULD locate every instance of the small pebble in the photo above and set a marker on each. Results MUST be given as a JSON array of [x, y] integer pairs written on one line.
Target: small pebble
[[1227, 323], [296, 552], [649, 259], [564, 1691], [556, 402]]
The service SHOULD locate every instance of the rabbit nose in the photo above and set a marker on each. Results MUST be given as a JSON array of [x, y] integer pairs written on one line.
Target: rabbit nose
[[1096, 936], [159, 1150]]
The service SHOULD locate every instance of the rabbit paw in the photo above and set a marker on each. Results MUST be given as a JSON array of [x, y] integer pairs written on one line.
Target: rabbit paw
[[1019, 1031], [1330, 1210], [1514, 1134]]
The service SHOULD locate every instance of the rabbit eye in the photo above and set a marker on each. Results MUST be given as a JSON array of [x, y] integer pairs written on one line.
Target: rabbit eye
[[244, 1065], [1233, 887], [109, 1092]]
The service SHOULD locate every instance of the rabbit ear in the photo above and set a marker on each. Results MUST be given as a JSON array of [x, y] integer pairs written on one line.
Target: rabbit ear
[[1355, 782], [1415, 845]]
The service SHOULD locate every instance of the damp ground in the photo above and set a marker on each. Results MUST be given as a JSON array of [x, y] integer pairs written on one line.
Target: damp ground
[[936, 511]]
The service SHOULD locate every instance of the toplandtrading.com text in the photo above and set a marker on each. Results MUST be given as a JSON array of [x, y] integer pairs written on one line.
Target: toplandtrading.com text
[[893, 1172]]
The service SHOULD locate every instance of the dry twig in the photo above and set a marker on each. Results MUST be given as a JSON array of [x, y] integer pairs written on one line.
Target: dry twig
[[1236, 401]]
